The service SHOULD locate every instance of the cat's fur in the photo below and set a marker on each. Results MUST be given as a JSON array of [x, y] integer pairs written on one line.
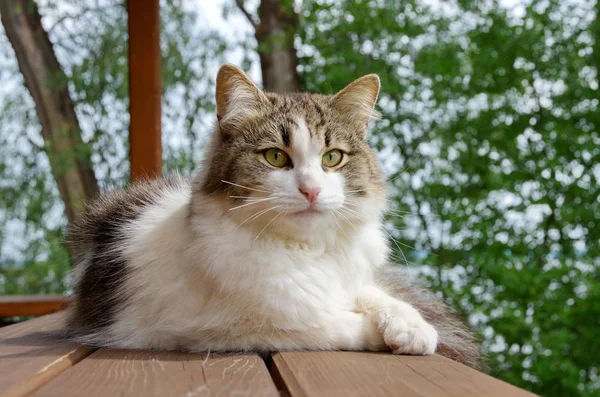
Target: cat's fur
[[173, 264]]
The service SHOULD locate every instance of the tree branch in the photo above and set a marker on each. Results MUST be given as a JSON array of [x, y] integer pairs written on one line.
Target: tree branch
[[249, 17], [74, 16]]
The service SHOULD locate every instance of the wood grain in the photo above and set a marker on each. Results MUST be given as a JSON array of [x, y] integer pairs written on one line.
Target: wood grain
[[140, 373], [31, 305], [370, 374], [29, 357]]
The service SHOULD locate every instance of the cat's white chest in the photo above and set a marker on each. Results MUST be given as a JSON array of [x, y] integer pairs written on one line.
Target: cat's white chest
[[291, 285]]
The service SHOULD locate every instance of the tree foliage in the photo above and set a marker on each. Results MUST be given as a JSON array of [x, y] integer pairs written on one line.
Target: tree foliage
[[491, 127]]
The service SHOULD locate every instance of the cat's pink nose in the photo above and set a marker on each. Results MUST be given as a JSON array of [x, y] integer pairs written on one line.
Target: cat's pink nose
[[310, 193]]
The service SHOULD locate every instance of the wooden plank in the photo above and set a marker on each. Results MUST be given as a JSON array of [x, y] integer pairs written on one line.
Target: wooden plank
[[141, 373], [29, 358], [144, 88], [31, 305], [371, 374]]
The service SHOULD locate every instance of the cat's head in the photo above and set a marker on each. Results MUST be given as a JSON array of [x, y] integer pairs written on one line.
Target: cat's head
[[296, 162]]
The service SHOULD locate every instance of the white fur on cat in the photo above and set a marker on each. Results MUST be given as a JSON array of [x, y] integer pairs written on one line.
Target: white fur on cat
[[204, 282]]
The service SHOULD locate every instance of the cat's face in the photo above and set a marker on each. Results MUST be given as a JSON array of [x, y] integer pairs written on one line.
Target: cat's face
[[294, 161]]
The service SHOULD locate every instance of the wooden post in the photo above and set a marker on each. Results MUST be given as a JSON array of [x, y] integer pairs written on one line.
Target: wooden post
[[144, 89]]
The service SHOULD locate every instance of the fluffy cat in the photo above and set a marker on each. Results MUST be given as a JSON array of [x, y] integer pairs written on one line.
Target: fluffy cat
[[277, 244]]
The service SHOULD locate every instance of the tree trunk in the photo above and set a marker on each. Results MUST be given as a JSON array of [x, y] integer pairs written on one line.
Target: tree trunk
[[47, 83], [275, 36]]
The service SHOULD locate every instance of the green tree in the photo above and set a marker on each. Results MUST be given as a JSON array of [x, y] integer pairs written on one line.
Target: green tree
[[490, 115]]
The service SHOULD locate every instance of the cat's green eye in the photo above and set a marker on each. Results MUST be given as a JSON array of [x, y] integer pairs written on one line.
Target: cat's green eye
[[332, 158], [277, 158]]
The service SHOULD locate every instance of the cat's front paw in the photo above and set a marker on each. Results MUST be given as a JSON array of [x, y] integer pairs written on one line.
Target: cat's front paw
[[406, 332]]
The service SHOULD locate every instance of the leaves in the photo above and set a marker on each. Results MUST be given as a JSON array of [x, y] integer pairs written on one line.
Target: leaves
[[497, 146]]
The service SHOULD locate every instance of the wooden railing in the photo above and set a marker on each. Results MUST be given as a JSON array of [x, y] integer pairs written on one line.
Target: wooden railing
[[31, 305]]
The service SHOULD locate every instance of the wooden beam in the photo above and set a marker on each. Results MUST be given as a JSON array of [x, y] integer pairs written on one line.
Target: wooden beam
[[144, 89], [31, 305]]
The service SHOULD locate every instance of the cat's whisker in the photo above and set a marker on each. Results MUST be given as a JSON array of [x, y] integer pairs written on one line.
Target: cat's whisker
[[337, 222], [352, 204], [346, 219], [244, 187], [258, 200], [391, 215], [399, 242], [395, 215], [252, 203], [392, 211], [250, 197], [359, 205], [398, 213], [267, 225], [399, 174], [415, 158], [396, 242], [354, 213], [352, 197], [403, 211], [255, 216], [400, 259], [355, 191]]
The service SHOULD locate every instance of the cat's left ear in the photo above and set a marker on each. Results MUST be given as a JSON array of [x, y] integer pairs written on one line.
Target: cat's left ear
[[356, 102], [237, 97]]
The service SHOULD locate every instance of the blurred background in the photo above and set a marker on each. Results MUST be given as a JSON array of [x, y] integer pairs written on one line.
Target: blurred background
[[490, 137]]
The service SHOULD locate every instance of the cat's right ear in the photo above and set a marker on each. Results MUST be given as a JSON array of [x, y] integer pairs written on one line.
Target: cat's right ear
[[238, 98], [356, 102]]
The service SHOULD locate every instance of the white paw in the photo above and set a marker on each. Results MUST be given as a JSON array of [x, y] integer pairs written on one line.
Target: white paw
[[406, 332]]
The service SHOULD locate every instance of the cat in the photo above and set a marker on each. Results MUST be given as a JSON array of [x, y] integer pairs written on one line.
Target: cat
[[277, 244]]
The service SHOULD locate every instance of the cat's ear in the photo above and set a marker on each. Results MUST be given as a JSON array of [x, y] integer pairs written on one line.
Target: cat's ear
[[356, 102], [238, 98]]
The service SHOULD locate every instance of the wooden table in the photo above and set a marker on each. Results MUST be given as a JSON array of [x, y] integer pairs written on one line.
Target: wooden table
[[33, 364]]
